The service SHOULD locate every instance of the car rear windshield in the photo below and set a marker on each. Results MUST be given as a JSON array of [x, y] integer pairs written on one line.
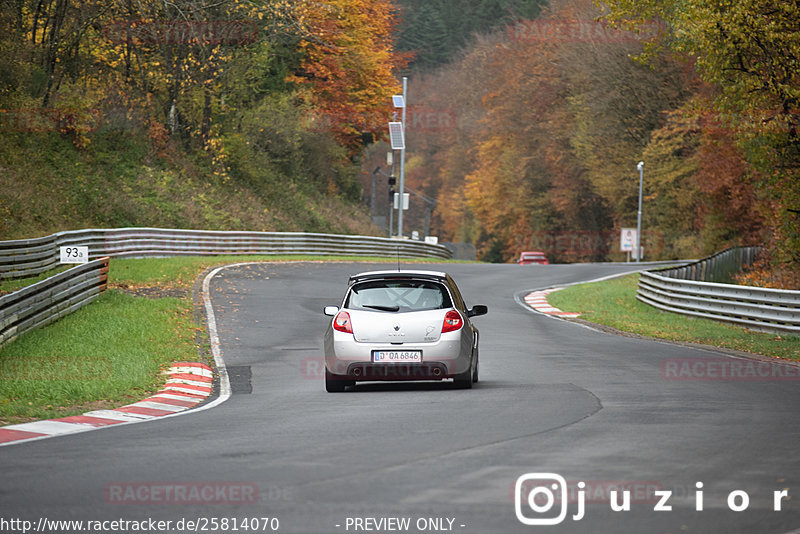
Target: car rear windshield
[[398, 296]]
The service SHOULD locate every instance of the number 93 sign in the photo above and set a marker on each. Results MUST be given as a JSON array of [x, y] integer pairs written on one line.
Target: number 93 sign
[[74, 254]]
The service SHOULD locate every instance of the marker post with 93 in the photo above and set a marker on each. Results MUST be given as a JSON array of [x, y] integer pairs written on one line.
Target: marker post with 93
[[74, 254]]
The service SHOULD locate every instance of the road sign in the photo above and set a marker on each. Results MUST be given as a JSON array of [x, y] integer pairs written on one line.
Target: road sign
[[397, 200], [627, 240], [74, 254]]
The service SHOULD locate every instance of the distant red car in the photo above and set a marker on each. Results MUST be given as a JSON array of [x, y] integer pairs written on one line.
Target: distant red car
[[531, 257]]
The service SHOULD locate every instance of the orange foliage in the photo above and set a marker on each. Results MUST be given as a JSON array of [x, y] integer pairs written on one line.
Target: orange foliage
[[348, 64], [723, 175], [763, 273]]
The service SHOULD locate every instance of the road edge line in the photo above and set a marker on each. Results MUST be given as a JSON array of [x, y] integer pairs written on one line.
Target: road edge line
[[220, 369], [519, 298]]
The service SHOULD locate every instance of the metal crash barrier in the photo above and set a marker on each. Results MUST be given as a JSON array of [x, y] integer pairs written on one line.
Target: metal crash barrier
[[688, 290]]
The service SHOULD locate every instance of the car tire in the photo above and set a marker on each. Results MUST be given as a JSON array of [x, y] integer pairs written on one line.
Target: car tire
[[336, 383], [475, 372], [463, 380]]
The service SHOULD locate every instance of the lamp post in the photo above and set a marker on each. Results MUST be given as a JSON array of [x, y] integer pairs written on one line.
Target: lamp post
[[640, 166]]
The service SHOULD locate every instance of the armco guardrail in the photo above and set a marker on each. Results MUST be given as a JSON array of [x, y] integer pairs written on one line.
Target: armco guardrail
[[719, 267], [44, 302], [675, 290], [27, 257]]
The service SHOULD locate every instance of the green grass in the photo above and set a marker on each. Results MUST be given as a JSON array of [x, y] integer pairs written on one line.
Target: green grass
[[8, 286], [111, 352], [122, 178], [106, 354], [613, 303], [182, 271]]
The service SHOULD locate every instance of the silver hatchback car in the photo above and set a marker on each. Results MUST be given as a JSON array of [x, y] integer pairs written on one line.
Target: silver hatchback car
[[401, 325]]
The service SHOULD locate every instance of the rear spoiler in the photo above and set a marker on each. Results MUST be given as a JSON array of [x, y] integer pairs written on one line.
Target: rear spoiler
[[398, 275]]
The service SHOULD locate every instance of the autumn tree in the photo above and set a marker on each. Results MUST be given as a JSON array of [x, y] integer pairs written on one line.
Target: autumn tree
[[348, 64], [237, 84], [436, 31], [731, 214], [749, 50]]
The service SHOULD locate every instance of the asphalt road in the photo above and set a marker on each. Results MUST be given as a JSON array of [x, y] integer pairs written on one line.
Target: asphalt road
[[554, 397]]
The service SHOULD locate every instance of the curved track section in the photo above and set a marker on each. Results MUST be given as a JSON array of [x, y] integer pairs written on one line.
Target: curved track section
[[553, 398]]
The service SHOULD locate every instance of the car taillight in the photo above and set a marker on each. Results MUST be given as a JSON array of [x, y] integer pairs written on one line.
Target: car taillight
[[342, 322], [452, 321]]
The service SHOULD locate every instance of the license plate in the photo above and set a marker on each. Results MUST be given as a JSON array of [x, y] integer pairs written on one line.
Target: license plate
[[397, 356]]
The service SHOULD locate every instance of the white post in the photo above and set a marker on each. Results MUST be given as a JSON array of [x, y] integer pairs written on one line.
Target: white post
[[640, 166], [402, 164]]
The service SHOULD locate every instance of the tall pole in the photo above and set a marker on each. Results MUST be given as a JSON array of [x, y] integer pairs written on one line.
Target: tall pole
[[428, 220], [640, 166], [402, 164], [391, 218], [372, 196], [431, 203]]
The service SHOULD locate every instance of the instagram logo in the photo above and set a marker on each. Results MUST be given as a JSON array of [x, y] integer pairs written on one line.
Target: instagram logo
[[539, 492]]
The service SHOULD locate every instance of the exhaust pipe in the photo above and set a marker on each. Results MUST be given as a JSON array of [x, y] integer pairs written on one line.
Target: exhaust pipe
[[357, 371], [437, 372]]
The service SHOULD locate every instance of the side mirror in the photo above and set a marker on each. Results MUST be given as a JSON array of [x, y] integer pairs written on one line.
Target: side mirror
[[478, 309], [331, 310]]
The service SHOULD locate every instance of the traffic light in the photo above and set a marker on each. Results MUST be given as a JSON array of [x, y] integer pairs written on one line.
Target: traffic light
[[391, 195], [392, 180]]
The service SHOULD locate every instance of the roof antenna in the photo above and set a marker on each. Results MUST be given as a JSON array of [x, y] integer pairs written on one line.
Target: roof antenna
[[398, 259]]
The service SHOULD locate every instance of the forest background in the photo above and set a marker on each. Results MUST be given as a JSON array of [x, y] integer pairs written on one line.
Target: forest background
[[526, 120]]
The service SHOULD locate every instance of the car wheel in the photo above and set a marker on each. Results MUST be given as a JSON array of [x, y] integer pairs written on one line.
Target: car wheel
[[475, 372], [463, 380], [336, 383]]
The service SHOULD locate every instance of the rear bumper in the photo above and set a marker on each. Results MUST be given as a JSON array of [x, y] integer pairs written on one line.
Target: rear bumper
[[449, 356], [398, 371]]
